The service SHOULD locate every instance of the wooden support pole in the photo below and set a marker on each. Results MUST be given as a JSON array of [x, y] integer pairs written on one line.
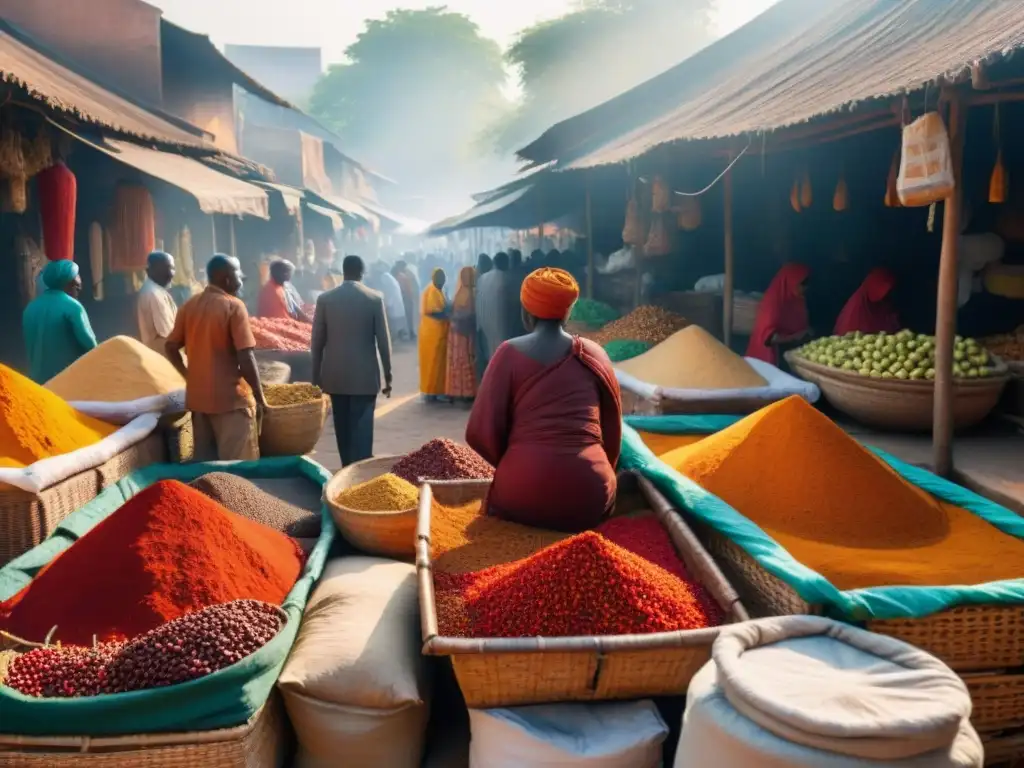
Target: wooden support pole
[[727, 288], [588, 215], [234, 242], [213, 225], [945, 321]]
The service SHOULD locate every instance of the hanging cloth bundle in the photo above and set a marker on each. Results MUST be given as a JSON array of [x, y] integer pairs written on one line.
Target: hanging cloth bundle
[[688, 214], [806, 193], [660, 195], [658, 241], [840, 200], [998, 185], [133, 231], [794, 196], [58, 195], [631, 232]]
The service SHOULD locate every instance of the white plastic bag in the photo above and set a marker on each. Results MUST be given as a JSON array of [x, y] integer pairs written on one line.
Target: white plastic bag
[[926, 166], [618, 261], [612, 735], [127, 411]]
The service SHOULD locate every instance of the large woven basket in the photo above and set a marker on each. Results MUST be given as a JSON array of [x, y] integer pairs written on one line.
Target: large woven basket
[[179, 437], [979, 642], [263, 742], [391, 533], [26, 519], [898, 404], [498, 672], [744, 313], [293, 430]]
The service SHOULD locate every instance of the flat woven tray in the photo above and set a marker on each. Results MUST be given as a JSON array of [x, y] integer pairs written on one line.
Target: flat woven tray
[[497, 672]]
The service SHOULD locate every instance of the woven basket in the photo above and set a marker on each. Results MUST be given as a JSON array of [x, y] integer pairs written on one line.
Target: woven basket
[[744, 313], [179, 437], [898, 404], [26, 519], [293, 430], [391, 533], [261, 743], [1003, 750], [976, 641], [498, 672]]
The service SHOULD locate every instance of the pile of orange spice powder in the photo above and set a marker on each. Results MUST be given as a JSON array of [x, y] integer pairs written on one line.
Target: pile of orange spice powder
[[623, 578], [166, 552]]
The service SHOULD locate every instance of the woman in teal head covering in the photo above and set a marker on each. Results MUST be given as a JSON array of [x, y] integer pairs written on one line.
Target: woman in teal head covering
[[56, 327]]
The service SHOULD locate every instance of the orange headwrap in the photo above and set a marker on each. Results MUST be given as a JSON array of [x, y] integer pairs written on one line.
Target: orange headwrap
[[548, 294]]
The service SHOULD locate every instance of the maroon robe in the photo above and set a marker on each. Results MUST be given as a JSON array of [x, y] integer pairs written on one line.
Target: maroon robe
[[553, 434]]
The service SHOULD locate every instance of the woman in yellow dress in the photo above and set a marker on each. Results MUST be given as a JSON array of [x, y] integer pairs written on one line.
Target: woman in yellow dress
[[434, 322]]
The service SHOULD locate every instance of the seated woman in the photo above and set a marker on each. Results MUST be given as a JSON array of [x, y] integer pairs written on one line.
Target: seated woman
[[279, 298], [782, 316], [869, 309], [548, 416]]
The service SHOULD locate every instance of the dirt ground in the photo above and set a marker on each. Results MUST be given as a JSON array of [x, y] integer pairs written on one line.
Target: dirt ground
[[404, 422]]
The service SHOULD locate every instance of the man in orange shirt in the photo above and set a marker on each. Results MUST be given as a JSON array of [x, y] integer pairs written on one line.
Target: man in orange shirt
[[278, 298], [223, 388]]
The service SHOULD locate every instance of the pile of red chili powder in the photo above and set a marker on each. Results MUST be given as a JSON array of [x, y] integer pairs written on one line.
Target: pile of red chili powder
[[168, 551], [587, 584], [443, 459]]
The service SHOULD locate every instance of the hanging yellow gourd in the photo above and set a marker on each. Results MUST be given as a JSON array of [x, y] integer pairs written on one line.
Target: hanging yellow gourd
[[688, 214], [806, 196], [998, 183], [631, 232], [794, 196], [660, 195], [892, 198], [840, 199]]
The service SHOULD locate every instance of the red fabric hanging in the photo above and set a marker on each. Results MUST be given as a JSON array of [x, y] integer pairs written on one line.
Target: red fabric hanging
[[133, 229], [58, 194]]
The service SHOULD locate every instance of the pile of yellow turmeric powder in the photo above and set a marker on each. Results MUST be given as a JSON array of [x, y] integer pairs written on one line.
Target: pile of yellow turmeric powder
[[662, 444], [35, 424], [839, 509]]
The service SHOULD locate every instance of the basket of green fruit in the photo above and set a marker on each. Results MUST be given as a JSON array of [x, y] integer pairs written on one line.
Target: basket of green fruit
[[887, 380]]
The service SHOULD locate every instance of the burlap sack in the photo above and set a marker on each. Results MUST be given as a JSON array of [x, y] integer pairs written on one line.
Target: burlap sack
[[356, 685]]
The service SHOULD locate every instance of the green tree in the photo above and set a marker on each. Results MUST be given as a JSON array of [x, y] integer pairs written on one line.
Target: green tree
[[600, 49], [412, 97]]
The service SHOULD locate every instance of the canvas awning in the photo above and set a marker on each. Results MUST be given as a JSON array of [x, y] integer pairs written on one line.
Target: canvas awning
[[336, 218], [292, 196], [216, 192]]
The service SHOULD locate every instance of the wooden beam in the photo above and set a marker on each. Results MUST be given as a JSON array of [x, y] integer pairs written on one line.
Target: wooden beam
[[945, 321], [993, 97], [727, 290], [588, 215]]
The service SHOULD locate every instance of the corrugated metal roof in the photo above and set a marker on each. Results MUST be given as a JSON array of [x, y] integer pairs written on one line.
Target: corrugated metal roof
[[63, 89], [799, 60]]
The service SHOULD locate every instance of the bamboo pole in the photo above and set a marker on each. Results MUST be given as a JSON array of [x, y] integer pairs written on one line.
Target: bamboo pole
[[213, 225], [945, 321], [234, 242], [727, 291], [590, 242]]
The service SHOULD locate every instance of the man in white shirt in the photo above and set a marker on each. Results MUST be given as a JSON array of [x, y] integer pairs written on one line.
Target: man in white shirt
[[156, 308]]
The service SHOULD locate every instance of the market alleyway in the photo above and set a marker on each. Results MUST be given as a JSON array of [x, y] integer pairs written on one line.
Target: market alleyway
[[404, 422]]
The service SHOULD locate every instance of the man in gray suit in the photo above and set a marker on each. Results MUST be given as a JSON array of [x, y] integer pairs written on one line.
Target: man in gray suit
[[350, 328]]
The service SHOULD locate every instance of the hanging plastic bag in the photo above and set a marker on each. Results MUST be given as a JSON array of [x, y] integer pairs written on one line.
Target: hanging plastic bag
[[926, 165], [794, 196], [658, 241], [688, 214], [998, 186], [892, 199], [840, 200], [806, 193], [660, 195], [631, 232]]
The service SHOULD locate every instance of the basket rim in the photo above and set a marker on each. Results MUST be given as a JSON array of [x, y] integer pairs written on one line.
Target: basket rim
[[435, 644], [1000, 375], [294, 407], [331, 488]]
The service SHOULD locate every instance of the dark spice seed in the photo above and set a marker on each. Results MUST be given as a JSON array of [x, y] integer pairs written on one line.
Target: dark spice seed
[[443, 459], [249, 500]]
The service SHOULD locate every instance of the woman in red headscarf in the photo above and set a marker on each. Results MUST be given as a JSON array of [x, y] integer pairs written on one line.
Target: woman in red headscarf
[[869, 309], [548, 416], [782, 316]]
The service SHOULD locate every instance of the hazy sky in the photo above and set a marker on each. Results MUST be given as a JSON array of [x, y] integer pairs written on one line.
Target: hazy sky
[[333, 24]]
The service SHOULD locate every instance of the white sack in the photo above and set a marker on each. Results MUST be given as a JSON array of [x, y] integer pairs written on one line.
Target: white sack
[[809, 692], [47, 472], [611, 735], [127, 410], [780, 385]]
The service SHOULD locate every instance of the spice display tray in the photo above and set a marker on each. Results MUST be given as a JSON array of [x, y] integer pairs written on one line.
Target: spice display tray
[[898, 404], [27, 519], [391, 533], [263, 742], [498, 672]]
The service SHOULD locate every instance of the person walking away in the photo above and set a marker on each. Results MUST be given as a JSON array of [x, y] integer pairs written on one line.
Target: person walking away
[[548, 417], [433, 347], [484, 264], [492, 296], [870, 308], [279, 298], [155, 306], [55, 325], [350, 331], [410, 288], [394, 305], [222, 383], [781, 318], [461, 377], [517, 273]]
